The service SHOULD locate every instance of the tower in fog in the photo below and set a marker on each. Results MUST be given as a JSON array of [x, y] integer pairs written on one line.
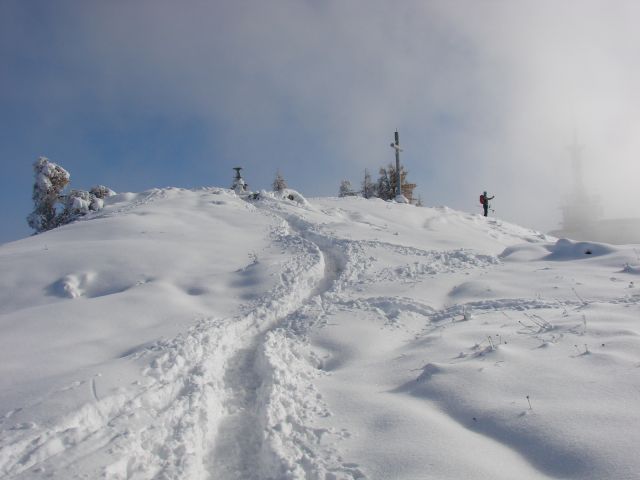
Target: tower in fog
[[582, 212], [581, 208]]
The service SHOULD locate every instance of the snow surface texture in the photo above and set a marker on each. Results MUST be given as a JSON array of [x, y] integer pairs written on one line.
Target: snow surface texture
[[202, 334]]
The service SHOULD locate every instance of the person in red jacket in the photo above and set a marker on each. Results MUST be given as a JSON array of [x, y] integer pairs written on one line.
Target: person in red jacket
[[484, 200]]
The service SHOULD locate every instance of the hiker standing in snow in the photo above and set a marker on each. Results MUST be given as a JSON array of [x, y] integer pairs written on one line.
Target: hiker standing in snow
[[484, 200]]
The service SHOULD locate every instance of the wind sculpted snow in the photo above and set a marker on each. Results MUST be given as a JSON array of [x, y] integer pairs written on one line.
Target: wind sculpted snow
[[200, 335]]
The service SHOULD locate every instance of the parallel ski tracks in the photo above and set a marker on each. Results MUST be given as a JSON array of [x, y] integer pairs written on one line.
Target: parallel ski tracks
[[203, 410], [238, 451]]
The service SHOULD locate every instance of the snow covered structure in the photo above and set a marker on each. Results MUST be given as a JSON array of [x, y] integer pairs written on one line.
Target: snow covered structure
[[239, 185], [582, 208], [583, 211]]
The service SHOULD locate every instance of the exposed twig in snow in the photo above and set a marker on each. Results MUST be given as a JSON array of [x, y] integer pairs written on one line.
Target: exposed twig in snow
[[582, 300], [540, 322], [531, 328], [563, 306]]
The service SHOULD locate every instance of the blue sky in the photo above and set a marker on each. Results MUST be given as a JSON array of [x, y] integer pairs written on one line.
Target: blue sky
[[485, 94]]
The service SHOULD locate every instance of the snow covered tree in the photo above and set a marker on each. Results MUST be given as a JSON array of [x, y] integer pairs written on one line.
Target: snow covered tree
[[386, 185], [52, 207], [383, 186], [47, 190], [368, 187], [345, 189], [278, 183]]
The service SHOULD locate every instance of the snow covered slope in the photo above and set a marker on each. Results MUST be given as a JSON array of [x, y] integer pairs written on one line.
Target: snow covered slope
[[196, 334]]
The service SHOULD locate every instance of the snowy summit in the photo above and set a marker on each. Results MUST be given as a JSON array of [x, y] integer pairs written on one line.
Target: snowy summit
[[209, 334]]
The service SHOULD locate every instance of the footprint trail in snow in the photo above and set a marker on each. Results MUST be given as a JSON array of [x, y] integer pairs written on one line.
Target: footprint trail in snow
[[337, 339]]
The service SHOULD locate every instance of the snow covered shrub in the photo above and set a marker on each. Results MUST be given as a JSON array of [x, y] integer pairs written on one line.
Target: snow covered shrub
[[49, 182], [78, 203], [294, 196], [100, 191]]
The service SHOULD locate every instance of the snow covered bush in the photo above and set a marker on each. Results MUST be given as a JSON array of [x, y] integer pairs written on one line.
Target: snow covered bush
[[294, 196], [100, 191], [78, 203], [286, 194], [49, 182], [52, 207]]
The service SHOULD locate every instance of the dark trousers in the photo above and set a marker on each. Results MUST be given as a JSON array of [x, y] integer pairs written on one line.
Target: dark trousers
[[486, 209]]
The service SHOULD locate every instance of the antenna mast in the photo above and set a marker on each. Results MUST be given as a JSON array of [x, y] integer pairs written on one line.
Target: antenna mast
[[576, 162]]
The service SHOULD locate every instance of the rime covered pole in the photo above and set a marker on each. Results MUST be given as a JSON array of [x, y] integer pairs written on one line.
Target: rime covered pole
[[239, 185], [396, 147]]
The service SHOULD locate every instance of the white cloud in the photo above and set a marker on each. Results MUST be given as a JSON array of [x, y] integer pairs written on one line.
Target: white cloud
[[487, 94]]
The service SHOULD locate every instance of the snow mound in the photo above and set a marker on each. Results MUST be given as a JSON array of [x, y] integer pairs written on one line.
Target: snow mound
[[524, 252], [287, 194], [428, 371], [631, 269], [565, 249]]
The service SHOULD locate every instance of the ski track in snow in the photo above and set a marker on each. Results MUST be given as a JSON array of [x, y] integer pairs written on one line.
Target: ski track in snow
[[358, 267], [235, 398], [219, 401]]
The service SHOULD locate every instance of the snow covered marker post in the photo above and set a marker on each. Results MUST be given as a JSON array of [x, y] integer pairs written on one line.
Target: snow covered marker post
[[239, 185], [396, 147]]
